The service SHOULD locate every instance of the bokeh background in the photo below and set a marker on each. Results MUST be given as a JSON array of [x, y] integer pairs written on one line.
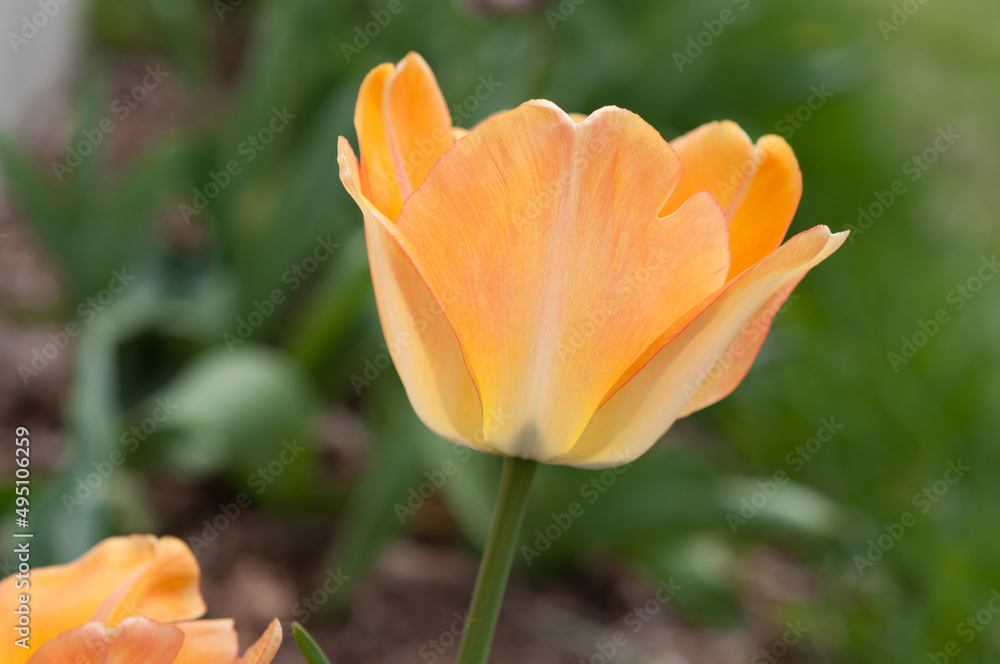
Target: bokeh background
[[167, 391]]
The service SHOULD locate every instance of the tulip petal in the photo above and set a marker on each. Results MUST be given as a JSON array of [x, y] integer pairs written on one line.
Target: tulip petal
[[266, 647], [380, 185], [208, 642], [717, 157], [72, 594], [418, 122], [644, 408], [144, 640], [760, 222], [418, 336], [135, 640], [167, 591], [730, 370], [87, 644], [549, 230], [759, 186], [403, 127]]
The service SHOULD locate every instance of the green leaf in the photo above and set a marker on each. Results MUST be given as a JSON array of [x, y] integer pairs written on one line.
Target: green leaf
[[236, 410], [308, 646]]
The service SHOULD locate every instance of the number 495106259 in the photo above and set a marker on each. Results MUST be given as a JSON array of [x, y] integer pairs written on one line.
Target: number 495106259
[[22, 457]]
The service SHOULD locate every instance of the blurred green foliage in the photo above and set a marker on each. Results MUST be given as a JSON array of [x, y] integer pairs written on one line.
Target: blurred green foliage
[[677, 64]]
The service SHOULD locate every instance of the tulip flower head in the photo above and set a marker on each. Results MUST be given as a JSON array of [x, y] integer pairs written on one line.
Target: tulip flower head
[[128, 600], [563, 288]]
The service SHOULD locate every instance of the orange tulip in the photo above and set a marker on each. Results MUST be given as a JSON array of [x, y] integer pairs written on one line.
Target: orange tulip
[[562, 288], [129, 599]]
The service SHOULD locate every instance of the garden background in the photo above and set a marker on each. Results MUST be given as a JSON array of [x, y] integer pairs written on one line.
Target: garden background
[[188, 330]]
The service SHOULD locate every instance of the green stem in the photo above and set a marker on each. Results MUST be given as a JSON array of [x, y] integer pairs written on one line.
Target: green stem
[[497, 559]]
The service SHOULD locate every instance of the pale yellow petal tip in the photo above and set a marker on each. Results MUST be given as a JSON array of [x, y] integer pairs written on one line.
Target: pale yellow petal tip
[[832, 238], [343, 149], [822, 240], [348, 166], [838, 239], [343, 145]]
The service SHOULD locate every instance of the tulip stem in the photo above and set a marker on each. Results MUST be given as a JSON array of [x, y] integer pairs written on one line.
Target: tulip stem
[[494, 569]]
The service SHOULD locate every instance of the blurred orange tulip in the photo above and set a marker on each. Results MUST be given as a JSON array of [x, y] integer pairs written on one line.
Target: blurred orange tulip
[[127, 600], [562, 288]]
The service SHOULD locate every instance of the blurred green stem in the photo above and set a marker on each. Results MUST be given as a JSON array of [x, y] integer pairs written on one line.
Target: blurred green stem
[[494, 570]]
